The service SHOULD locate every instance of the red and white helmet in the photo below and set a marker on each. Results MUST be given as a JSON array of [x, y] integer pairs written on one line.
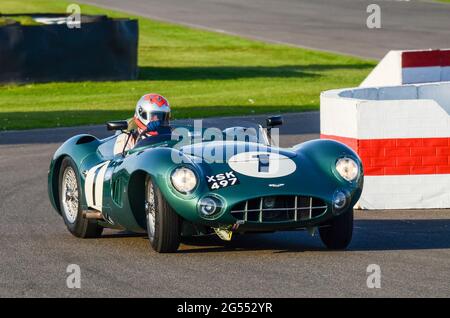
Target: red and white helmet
[[152, 107]]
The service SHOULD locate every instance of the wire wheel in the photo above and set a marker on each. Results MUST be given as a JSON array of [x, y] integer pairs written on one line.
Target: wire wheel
[[150, 209], [70, 195]]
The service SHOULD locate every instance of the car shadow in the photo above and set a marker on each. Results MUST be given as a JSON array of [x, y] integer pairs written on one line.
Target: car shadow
[[122, 234], [369, 235]]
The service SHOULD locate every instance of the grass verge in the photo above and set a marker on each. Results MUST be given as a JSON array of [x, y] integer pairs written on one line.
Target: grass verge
[[201, 73]]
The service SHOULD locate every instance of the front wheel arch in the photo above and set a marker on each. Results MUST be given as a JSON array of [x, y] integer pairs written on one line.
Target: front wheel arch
[[136, 196]]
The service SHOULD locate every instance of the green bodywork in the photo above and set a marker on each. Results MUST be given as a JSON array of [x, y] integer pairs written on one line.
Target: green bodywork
[[124, 182]]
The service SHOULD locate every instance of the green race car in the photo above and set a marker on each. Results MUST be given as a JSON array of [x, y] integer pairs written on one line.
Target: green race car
[[187, 183]]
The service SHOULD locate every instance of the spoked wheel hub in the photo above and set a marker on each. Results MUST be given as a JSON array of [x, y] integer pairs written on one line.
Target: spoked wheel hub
[[70, 195], [150, 209]]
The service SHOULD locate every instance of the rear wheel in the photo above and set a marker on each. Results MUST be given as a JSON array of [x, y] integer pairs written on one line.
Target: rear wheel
[[338, 232], [69, 201], [163, 224]]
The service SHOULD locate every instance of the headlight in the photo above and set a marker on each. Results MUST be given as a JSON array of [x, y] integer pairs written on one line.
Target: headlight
[[183, 179], [347, 168]]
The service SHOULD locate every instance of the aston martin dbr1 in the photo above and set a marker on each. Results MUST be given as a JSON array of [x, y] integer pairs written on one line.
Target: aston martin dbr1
[[184, 182]]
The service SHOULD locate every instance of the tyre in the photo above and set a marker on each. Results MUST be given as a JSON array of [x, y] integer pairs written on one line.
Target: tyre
[[338, 232], [163, 224], [69, 201]]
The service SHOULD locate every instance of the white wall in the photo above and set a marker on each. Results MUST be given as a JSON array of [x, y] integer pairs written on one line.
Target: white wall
[[407, 111], [387, 112], [389, 71]]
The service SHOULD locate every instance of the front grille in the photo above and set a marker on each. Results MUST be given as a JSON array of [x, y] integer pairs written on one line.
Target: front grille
[[285, 208]]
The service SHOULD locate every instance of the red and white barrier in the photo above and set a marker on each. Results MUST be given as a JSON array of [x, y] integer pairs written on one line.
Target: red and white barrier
[[402, 134], [410, 67]]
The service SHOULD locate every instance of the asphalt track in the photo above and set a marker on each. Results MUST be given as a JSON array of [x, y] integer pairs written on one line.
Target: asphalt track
[[330, 25], [412, 248]]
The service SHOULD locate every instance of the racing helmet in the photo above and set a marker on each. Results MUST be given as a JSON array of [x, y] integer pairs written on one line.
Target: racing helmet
[[152, 107]]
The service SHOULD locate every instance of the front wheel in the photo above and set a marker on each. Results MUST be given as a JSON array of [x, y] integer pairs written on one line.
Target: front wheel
[[163, 224], [69, 201], [337, 234]]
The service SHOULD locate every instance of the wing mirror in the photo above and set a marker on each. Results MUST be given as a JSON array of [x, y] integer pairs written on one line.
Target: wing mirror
[[272, 122], [117, 125]]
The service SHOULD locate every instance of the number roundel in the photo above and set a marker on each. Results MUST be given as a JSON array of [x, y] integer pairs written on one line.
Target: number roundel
[[262, 164]]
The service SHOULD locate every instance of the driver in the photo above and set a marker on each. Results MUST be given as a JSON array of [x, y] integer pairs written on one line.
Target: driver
[[151, 118], [152, 115]]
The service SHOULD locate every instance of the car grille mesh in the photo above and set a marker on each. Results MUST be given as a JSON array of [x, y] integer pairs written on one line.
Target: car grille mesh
[[279, 209]]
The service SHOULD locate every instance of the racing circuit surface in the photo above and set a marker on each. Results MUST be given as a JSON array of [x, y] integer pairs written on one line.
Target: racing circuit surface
[[411, 247], [332, 25]]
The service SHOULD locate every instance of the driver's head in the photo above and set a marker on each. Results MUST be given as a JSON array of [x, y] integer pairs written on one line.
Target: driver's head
[[152, 110]]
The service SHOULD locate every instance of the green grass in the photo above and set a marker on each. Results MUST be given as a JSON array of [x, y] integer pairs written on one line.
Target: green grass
[[201, 73], [23, 20]]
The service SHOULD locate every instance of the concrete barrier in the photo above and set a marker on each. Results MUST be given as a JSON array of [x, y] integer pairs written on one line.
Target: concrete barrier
[[402, 134]]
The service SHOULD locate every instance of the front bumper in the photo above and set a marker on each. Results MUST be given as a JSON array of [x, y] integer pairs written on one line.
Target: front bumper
[[306, 212]]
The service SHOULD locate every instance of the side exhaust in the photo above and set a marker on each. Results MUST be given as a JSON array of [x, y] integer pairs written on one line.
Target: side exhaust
[[93, 215]]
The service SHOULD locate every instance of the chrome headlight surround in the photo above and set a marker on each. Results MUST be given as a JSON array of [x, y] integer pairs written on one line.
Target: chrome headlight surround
[[340, 201], [347, 168], [211, 206], [184, 179]]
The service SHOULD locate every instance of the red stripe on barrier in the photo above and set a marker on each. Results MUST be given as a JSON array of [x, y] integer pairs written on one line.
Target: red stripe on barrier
[[445, 58], [426, 58], [400, 156]]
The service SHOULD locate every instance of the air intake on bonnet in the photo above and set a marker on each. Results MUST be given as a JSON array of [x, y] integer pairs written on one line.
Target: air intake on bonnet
[[279, 209]]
